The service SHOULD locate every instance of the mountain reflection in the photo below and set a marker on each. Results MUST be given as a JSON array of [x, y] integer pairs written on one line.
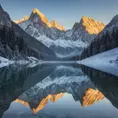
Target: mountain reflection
[[92, 96], [15, 80], [43, 103], [86, 86]]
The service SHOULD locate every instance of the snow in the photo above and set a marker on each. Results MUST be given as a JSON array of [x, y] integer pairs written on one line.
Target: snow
[[70, 42], [34, 62], [61, 42], [5, 62], [62, 75], [106, 61], [31, 62]]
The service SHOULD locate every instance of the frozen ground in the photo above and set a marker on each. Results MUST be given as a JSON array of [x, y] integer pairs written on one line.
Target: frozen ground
[[106, 61]]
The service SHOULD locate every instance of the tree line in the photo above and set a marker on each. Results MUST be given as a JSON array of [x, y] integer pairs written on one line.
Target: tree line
[[107, 41], [13, 46]]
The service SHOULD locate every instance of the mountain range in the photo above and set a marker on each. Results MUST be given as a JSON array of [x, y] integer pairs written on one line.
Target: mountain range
[[65, 43], [36, 36]]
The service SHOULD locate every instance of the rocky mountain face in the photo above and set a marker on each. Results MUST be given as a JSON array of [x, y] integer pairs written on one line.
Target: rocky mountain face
[[65, 43], [17, 44], [43, 19], [106, 40]]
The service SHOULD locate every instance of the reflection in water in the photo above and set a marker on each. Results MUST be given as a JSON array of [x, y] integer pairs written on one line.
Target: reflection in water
[[86, 86], [106, 83], [42, 104], [92, 96], [15, 80]]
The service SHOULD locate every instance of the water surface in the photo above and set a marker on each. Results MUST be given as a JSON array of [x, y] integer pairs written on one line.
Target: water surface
[[57, 91]]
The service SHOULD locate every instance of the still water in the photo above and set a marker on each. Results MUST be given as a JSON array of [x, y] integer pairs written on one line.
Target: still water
[[57, 91]]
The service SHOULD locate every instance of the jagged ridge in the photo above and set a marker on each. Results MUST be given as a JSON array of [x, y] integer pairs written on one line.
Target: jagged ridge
[[52, 24], [90, 25]]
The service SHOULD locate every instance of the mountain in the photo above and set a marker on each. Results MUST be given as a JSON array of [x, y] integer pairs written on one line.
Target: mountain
[[52, 24], [21, 20], [90, 25], [104, 41], [65, 43], [17, 44]]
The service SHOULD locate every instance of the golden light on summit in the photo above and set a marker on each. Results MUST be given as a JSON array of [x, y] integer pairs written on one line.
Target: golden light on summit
[[21, 20], [92, 26], [52, 24], [92, 96], [43, 102]]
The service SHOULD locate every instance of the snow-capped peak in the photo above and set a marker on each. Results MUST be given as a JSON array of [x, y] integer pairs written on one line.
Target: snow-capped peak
[[41, 15], [90, 25], [52, 24], [55, 24], [36, 11], [38, 16], [1, 7], [21, 20]]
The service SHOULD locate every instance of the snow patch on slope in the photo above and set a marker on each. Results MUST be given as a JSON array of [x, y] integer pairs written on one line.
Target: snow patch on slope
[[106, 61], [69, 75], [61, 42]]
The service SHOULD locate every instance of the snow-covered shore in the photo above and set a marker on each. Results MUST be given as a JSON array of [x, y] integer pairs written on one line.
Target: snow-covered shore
[[5, 62], [106, 61], [30, 62]]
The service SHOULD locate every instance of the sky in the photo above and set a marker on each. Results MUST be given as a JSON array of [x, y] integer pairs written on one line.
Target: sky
[[65, 12]]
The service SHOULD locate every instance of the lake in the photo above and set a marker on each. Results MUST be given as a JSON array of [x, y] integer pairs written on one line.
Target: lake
[[57, 91]]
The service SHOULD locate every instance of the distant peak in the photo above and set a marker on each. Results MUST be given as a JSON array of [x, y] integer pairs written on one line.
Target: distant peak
[[41, 15], [84, 18], [52, 24], [21, 20], [35, 10], [92, 26], [56, 25], [1, 7], [26, 17]]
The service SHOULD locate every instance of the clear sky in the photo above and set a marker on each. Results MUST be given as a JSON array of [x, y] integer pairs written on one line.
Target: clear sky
[[65, 12]]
